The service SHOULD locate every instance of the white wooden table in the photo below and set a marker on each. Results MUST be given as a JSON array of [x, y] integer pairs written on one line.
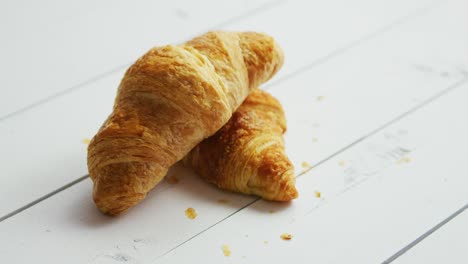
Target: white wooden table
[[375, 95]]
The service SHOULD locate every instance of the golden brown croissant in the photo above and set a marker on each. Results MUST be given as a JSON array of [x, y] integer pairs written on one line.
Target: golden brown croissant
[[169, 100], [247, 154]]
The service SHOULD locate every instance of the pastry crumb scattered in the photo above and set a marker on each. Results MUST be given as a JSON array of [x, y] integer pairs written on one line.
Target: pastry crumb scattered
[[265, 242], [404, 160], [223, 201], [86, 141], [314, 139], [318, 194], [226, 250], [271, 211], [191, 213], [341, 163], [172, 179], [306, 165], [320, 98], [286, 236]]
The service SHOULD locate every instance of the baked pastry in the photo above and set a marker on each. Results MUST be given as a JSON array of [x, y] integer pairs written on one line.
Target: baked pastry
[[247, 154], [168, 101]]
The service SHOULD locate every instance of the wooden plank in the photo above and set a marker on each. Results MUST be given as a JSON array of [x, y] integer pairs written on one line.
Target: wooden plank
[[70, 220], [74, 44], [153, 227], [446, 245], [375, 198], [58, 156], [52, 46], [302, 27]]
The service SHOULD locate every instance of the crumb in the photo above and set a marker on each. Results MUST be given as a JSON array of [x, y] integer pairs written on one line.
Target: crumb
[[271, 211], [320, 98], [341, 163], [190, 213], [306, 165], [246, 235], [404, 160], [265, 242], [286, 236], [172, 179], [318, 194], [226, 250], [222, 201], [86, 141], [315, 140]]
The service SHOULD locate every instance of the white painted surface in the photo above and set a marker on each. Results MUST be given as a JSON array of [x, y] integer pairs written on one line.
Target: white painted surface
[[371, 206], [50, 46], [448, 245], [82, 111], [350, 68]]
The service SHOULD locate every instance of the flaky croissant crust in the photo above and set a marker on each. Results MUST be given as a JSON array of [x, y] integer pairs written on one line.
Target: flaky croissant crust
[[247, 154], [168, 101]]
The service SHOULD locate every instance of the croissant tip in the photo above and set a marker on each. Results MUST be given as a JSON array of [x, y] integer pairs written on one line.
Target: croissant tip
[[293, 193], [285, 193], [111, 212], [117, 203], [113, 208], [290, 193]]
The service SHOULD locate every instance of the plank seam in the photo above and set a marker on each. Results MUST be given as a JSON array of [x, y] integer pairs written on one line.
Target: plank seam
[[384, 29], [21, 209], [373, 132], [256, 10], [209, 227], [425, 235], [321, 60]]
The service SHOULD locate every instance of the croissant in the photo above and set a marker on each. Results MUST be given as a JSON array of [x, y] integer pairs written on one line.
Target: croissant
[[168, 101], [247, 154]]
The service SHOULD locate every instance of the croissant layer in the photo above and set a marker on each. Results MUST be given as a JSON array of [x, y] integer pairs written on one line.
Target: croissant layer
[[247, 155], [168, 101]]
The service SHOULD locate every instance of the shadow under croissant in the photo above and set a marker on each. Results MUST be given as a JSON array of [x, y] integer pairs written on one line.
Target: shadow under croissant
[[86, 214], [212, 194], [189, 191]]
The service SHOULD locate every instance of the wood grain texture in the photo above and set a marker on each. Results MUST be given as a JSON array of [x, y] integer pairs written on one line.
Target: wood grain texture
[[89, 105], [77, 43], [447, 244], [374, 200], [373, 204]]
